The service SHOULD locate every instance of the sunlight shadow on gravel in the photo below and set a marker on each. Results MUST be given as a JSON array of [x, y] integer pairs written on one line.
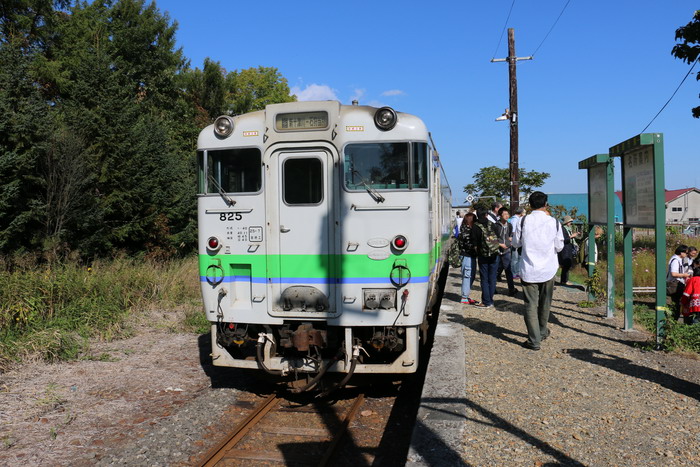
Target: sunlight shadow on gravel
[[627, 367], [503, 424]]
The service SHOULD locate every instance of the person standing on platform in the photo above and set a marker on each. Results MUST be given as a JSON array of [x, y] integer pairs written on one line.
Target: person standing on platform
[[570, 251], [541, 238], [458, 224], [483, 234], [468, 252], [515, 252], [675, 278], [504, 232], [492, 215]]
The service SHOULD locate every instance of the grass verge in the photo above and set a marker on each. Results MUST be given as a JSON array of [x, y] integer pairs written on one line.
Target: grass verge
[[51, 311]]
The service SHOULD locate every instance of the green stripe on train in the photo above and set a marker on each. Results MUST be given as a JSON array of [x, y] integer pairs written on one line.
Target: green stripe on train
[[317, 265]]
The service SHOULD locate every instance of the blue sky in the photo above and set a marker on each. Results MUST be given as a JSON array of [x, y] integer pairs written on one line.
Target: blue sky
[[598, 79]]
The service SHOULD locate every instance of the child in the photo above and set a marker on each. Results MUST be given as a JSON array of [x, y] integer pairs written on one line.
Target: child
[[690, 301]]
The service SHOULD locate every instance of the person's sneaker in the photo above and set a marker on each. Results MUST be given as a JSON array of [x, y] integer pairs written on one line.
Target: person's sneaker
[[466, 301], [528, 345], [473, 302], [481, 305]]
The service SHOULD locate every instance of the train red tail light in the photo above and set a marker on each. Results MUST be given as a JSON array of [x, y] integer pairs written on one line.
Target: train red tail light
[[213, 243], [399, 242]]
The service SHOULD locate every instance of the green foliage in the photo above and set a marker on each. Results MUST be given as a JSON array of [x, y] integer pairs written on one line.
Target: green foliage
[[678, 335], [595, 285], [495, 181], [217, 92], [23, 136], [51, 310], [99, 115], [688, 49]]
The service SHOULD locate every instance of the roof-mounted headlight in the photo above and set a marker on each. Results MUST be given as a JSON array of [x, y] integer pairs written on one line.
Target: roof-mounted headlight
[[223, 126], [385, 118]]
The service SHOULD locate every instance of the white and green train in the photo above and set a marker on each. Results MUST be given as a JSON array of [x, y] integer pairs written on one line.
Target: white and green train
[[323, 230]]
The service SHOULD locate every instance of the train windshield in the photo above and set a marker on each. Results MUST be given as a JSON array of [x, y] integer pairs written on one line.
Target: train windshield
[[386, 166], [233, 170]]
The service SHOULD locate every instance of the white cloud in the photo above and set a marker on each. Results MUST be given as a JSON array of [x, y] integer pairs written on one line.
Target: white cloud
[[359, 94], [393, 92], [315, 92]]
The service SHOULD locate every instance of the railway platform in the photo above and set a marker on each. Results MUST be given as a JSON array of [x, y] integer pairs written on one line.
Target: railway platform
[[593, 394]]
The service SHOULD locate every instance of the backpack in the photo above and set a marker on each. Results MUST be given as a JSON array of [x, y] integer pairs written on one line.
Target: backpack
[[465, 240], [488, 246]]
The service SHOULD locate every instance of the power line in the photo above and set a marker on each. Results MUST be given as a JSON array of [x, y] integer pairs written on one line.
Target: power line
[[672, 95], [550, 29], [504, 29]]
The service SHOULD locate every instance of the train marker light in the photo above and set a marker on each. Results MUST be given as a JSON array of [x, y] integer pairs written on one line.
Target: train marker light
[[385, 118], [399, 242], [223, 126], [213, 243]]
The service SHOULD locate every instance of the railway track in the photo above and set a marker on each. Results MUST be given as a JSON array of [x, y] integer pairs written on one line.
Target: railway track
[[271, 433]]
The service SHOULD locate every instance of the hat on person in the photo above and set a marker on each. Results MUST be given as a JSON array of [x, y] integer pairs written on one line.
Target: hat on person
[[567, 219]]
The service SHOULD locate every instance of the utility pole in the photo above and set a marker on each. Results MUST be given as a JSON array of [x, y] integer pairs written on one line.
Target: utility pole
[[512, 114]]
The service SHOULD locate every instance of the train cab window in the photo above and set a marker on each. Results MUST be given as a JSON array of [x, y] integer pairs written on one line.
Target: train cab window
[[303, 181], [386, 166], [234, 170], [377, 165]]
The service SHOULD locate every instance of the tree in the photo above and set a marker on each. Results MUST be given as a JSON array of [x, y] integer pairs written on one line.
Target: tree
[[254, 88], [495, 181], [24, 127], [689, 49]]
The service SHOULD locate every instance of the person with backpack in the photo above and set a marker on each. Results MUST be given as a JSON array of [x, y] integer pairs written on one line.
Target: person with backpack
[[487, 249], [468, 252], [570, 250], [541, 238], [504, 232]]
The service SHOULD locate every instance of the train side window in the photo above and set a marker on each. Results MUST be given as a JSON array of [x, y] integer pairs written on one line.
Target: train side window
[[419, 161], [235, 170], [303, 181], [201, 184]]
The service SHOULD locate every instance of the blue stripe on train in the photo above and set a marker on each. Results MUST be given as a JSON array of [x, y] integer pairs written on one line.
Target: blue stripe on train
[[315, 280]]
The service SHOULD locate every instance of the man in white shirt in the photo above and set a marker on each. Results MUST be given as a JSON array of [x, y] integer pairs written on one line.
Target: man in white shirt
[[541, 238]]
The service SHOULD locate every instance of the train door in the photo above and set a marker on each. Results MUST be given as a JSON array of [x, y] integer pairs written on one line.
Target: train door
[[306, 264]]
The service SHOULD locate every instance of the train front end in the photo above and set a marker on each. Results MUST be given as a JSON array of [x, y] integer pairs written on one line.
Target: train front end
[[321, 231]]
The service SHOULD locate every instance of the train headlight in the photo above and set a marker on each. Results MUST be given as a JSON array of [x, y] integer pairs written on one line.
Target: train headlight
[[213, 243], [223, 126], [385, 118], [399, 242]]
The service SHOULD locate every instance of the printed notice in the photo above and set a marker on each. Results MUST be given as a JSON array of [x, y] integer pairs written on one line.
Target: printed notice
[[598, 194], [638, 183]]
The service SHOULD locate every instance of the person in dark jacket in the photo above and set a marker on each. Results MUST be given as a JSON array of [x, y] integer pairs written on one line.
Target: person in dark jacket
[[467, 250], [488, 265], [567, 255], [504, 232]]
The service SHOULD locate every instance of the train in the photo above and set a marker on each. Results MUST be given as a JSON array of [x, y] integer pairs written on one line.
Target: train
[[323, 230]]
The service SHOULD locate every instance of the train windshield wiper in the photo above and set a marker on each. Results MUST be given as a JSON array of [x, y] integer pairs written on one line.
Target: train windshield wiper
[[229, 201], [372, 192]]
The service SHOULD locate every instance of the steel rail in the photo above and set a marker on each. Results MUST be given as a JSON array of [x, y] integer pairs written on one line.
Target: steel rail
[[341, 431], [218, 452]]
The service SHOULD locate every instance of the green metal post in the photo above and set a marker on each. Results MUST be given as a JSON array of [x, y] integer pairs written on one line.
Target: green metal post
[[628, 275], [590, 260], [660, 222]]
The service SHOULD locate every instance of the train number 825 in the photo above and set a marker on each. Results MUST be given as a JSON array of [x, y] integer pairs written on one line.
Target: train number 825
[[230, 216]]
